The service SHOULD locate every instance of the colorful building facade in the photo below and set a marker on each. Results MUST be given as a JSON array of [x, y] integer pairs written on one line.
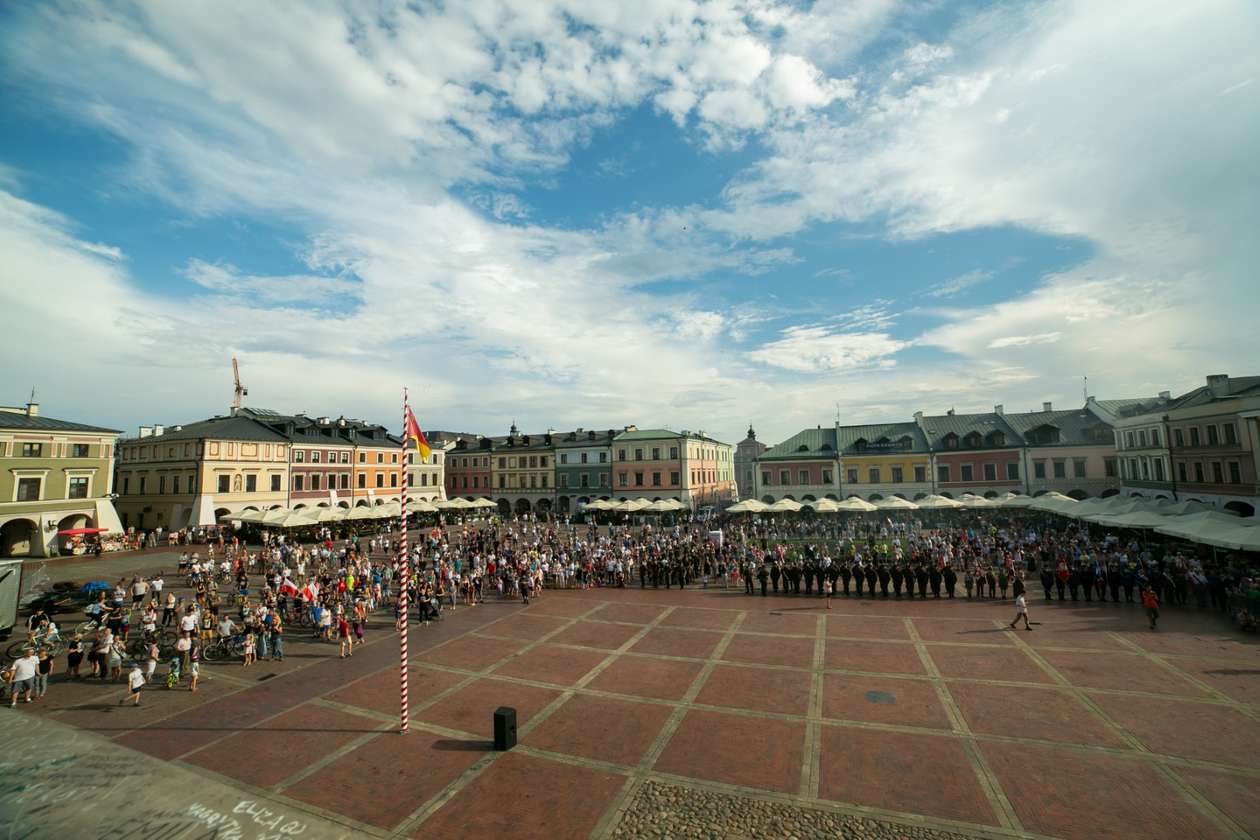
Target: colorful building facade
[[583, 459]]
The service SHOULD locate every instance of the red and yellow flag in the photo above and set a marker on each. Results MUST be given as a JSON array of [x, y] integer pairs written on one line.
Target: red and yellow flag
[[411, 432]]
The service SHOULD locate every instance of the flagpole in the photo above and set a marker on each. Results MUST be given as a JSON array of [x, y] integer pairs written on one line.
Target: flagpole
[[405, 578]]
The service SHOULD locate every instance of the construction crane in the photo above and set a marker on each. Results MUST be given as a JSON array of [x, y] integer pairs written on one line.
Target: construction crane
[[240, 391]]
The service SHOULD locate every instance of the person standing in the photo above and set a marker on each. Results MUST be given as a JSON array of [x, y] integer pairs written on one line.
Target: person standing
[[23, 677], [1151, 602], [826, 584], [1021, 611], [42, 670], [135, 682]]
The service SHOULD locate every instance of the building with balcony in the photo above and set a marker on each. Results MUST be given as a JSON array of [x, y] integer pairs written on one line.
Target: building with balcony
[[663, 464], [54, 475], [1203, 445], [523, 473]]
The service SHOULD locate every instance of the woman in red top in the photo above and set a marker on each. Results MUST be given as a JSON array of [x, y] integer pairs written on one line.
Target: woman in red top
[[1151, 601]]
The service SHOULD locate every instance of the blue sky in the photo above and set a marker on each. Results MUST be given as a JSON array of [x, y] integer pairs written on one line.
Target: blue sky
[[693, 214]]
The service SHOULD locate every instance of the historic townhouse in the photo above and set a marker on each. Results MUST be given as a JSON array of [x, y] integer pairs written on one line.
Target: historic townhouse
[[583, 460], [889, 459], [1072, 452], [377, 474], [426, 477], [189, 475], [321, 457], [973, 453], [663, 464], [468, 464], [805, 467], [1203, 445], [747, 451], [523, 472], [54, 475]]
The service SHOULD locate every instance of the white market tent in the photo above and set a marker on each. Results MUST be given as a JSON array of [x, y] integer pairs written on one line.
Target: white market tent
[[896, 503], [935, 502], [748, 506], [784, 506], [855, 505]]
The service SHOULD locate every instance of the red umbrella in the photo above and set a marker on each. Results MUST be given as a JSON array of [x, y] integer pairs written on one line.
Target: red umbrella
[[78, 532]]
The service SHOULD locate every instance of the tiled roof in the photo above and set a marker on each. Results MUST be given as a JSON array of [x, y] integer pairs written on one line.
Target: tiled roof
[[583, 438], [38, 423], [810, 443], [1238, 386], [1074, 426], [647, 434], [939, 426], [849, 436], [219, 428], [1131, 407]]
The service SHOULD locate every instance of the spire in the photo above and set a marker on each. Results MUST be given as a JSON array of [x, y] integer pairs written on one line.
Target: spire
[[513, 432], [752, 435]]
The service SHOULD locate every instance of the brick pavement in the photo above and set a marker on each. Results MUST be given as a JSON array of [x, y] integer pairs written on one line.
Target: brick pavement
[[924, 714]]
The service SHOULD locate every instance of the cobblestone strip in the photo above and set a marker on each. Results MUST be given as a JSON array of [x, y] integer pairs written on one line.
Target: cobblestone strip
[[661, 809], [431, 807], [988, 780], [813, 729]]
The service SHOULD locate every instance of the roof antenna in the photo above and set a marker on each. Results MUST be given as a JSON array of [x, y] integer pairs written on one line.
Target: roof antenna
[[1085, 388]]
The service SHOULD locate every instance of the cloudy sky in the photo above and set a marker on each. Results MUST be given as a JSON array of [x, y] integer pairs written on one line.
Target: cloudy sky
[[590, 213]]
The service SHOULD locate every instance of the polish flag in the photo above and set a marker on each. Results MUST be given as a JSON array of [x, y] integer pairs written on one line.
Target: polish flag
[[288, 587], [310, 592]]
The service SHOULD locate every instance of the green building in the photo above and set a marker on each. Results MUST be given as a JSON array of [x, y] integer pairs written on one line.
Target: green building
[[55, 475]]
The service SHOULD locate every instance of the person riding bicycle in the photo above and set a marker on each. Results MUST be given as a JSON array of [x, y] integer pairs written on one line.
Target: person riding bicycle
[[35, 622], [226, 627]]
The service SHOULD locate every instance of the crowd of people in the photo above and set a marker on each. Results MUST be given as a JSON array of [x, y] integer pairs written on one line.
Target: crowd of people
[[241, 601]]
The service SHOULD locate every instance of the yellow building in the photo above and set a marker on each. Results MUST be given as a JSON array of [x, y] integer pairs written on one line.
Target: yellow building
[[186, 476], [889, 459]]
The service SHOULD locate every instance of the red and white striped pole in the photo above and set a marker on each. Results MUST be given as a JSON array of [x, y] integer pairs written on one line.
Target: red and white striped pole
[[405, 578]]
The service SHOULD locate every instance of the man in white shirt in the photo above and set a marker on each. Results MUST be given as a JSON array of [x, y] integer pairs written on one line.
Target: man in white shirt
[[1021, 611], [156, 585], [23, 678], [188, 621]]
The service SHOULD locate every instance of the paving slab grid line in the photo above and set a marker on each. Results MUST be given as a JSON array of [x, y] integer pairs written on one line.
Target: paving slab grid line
[[749, 624]]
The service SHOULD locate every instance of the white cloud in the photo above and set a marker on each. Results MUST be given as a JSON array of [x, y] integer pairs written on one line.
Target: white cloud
[[1024, 340], [810, 349], [959, 284]]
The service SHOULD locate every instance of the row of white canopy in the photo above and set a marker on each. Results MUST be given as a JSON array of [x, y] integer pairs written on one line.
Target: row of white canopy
[[637, 506], [305, 517], [1188, 520]]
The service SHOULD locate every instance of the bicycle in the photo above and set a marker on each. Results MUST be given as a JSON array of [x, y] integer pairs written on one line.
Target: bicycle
[[224, 648], [53, 643], [139, 646]]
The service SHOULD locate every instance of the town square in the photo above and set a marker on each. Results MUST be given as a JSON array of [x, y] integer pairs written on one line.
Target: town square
[[678, 419]]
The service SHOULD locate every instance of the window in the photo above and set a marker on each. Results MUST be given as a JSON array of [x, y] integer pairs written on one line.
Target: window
[[161, 485], [78, 488], [656, 453], [1178, 437], [1235, 474], [967, 472], [584, 458], [143, 481], [785, 477], [1109, 467], [621, 454], [1159, 469], [990, 472], [564, 480], [362, 457], [126, 485], [315, 457], [623, 479], [28, 489], [345, 457], [502, 482], [564, 458], [638, 454], [1078, 467], [1039, 469], [1133, 468], [533, 461], [275, 483], [393, 479], [79, 450], [298, 483], [1194, 435], [175, 484], [1218, 475], [362, 481], [603, 479], [251, 483], [673, 478], [920, 473], [942, 473], [673, 452], [380, 457], [802, 477], [765, 478], [1012, 471], [1142, 438], [543, 482], [315, 481], [896, 475], [826, 476], [393, 457], [380, 479], [584, 480], [1213, 436], [1181, 472], [873, 475], [603, 457], [299, 456], [1198, 473], [1154, 437], [1128, 440], [638, 479], [225, 484], [32, 450], [656, 479]]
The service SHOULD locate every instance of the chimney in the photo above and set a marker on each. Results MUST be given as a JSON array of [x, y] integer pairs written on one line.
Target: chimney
[[157, 430], [1218, 384], [949, 413], [32, 409], [1165, 395], [918, 415], [997, 409], [1047, 406], [145, 431]]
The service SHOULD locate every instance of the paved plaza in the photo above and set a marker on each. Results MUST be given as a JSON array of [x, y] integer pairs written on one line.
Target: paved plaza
[[710, 713]]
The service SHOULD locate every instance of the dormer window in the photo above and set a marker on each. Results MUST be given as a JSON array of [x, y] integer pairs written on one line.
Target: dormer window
[[802, 448], [997, 439], [972, 440], [860, 444], [951, 441]]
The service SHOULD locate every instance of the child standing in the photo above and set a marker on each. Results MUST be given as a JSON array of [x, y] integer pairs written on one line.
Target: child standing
[[135, 682]]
